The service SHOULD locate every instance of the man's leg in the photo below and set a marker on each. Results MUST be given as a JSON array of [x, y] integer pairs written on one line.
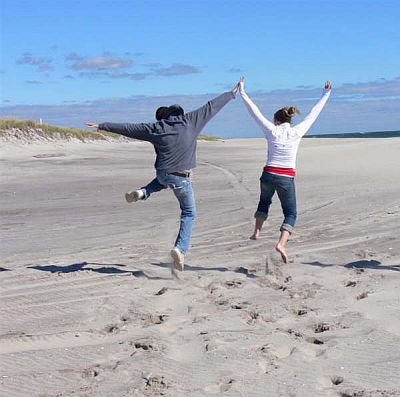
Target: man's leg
[[184, 193], [267, 191], [144, 192], [287, 196]]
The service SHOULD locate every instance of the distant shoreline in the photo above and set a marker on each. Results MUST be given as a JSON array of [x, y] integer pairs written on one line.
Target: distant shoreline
[[15, 129], [382, 134]]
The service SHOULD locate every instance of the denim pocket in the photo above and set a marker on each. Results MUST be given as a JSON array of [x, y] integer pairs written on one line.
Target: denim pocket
[[178, 185]]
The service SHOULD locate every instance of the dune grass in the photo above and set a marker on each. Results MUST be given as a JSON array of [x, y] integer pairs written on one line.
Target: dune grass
[[52, 131], [208, 138]]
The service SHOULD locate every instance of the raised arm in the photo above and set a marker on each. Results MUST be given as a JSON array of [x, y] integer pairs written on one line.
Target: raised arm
[[202, 116], [254, 111], [309, 120], [140, 131]]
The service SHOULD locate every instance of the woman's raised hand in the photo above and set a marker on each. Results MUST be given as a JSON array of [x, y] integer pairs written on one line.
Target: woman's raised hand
[[328, 85], [241, 83]]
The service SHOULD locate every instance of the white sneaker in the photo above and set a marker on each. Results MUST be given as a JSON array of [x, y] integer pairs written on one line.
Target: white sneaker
[[134, 196], [179, 258]]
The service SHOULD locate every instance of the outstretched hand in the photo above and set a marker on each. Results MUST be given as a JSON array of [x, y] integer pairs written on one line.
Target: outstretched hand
[[237, 86], [328, 85], [92, 125], [235, 89]]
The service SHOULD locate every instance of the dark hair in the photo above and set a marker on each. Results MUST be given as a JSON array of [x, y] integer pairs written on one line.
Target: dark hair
[[164, 112], [161, 112], [175, 110], [285, 114]]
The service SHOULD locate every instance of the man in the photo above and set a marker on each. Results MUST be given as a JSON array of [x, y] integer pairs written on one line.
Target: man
[[174, 137]]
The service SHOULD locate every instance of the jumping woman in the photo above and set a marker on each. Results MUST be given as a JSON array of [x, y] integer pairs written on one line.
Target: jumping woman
[[278, 175]]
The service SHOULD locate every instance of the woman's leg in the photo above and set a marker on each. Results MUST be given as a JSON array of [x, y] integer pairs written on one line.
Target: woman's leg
[[280, 247], [267, 189], [287, 196], [257, 229]]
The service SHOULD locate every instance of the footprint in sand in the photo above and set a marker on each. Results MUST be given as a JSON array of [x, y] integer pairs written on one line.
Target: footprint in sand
[[162, 291], [220, 387], [363, 295], [233, 284], [314, 340], [301, 312], [92, 371], [146, 346], [337, 380], [146, 319], [321, 327], [328, 381], [155, 385], [112, 329], [252, 316]]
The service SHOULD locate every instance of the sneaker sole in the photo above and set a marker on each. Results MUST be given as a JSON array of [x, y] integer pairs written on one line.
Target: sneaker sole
[[177, 264], [131, 197]]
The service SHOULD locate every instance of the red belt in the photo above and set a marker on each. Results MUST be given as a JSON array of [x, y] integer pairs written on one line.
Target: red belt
[[280, 170]]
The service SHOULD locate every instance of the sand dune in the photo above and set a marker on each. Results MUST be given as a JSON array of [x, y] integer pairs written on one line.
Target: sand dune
[[89, 307]]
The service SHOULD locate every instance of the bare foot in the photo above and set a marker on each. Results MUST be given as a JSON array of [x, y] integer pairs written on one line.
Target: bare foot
[[282, 251], [255, 236]]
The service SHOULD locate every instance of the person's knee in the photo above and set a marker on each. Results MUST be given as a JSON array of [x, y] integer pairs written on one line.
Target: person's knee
[[189, 213]]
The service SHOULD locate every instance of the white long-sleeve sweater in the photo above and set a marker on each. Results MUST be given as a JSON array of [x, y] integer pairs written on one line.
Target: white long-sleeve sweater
[[284, 139]]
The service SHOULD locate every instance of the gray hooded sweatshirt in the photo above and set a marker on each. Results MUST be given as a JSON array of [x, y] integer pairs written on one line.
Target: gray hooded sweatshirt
[[175, 137]]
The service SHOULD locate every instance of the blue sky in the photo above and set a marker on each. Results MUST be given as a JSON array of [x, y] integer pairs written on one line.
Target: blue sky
[[69, 61]]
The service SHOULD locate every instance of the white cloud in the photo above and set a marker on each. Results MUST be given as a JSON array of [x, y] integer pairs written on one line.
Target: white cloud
[[176, 69], [376, 110], [33, 82], [105, 62], [42, 64]]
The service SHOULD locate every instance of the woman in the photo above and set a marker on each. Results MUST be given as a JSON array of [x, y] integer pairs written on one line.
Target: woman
[[280, 169]]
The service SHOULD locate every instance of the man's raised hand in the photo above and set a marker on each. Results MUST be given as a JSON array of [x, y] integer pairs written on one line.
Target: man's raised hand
[[92, 125], [235, 89]]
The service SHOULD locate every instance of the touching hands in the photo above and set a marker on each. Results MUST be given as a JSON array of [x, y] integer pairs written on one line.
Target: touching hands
[[235, 89], [328, 85], [92, 125], [237, 86]]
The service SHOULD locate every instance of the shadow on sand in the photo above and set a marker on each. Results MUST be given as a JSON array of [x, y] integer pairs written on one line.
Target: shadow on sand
[[240, 270], [105, 268], [361, 264]]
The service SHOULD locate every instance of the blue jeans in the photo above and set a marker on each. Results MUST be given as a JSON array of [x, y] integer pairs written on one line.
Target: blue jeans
[[183, 190], [286, 190]]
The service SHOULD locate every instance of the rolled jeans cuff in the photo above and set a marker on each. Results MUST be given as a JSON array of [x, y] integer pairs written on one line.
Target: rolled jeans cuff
[[260, 215], [287, 227]]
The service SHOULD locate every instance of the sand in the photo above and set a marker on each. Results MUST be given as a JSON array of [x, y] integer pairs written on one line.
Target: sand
[[89, 307]]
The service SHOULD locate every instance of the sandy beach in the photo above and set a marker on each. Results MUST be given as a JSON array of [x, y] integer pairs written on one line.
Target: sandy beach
[[89, 307]]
